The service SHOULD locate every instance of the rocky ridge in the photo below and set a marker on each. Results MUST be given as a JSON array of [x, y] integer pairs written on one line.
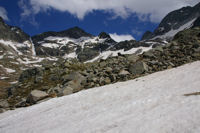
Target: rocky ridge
[[19, 51], [174, 22], [71, 76], [54, 64]]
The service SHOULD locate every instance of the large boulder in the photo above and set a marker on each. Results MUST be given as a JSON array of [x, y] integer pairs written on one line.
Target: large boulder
[[4, 104], [149, 54], [123, 73], [72, 86], [74, 76], [60, 90], [138, 68], [132, 58], [35, 96], [30, 73]]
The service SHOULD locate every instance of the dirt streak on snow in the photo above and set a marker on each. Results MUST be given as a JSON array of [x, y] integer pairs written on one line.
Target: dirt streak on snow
[[151, 104]]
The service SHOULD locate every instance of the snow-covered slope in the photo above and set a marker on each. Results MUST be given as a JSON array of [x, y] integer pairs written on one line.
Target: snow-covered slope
[[173, 32], [153, 104]]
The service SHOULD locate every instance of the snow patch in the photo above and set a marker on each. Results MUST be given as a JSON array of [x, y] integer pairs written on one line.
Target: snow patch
[[107, 54], [70, 55], [50, 45], [4, 77], [151, 104], [15, 45], [10, 70], [1, 56]]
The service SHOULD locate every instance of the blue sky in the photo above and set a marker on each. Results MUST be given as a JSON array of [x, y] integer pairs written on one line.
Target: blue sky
[[123, 17]]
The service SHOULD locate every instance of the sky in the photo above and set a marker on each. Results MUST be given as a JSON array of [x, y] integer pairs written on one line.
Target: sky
[[122, 19]]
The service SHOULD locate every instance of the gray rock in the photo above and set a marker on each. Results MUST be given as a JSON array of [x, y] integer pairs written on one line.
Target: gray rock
[[56, 90], [35, 96], [30, 73], [102, 64], [4, 104], [124, 72], [132, 58], [22, 103], [175, 47], [149, 54], [102, 81], [138, 68], [60, 90], [2, 110], [75, 76], [153, 62], [67, 90], [197, 50], [108, 69], [159, 48], [112, 77], [74, 85], [67, 64], [107, 80]]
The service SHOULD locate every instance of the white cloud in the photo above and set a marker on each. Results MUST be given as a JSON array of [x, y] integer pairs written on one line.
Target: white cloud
[[24, 6], [3, 13], [119, 38], [27, 12], [147, 10]]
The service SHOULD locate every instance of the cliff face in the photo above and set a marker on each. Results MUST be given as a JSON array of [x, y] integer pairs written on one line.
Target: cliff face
[[174, 22]]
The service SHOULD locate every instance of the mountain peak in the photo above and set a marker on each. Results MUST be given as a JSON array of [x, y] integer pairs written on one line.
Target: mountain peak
[[74, 32], [104, 35], [1, 20], [175, 21]]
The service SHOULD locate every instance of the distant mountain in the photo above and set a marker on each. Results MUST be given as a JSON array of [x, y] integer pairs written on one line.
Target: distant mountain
[[74, 32], [19, 51], [13, 33], [76, 43], [50, 57], [174, 22]]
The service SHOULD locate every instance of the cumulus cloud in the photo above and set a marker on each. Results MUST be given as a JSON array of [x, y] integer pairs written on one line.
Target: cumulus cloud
[[147, 10], [119, 38], [27, 12], [3, 13], [24, 6]]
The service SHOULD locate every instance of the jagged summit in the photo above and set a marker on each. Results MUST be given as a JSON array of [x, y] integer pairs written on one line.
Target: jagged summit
[[74, 32], [174, 22], [12, 33], [103, 35]]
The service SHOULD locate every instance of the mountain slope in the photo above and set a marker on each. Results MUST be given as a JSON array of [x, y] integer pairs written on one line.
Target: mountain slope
[[76, 43], [174, 22], [155, 103]]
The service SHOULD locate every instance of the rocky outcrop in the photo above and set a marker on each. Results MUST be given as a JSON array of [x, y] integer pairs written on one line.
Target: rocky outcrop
[[74, 32], [173, 21], [138, 68], [35, 96], [72, 76], [12, 33], [197, 22]]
